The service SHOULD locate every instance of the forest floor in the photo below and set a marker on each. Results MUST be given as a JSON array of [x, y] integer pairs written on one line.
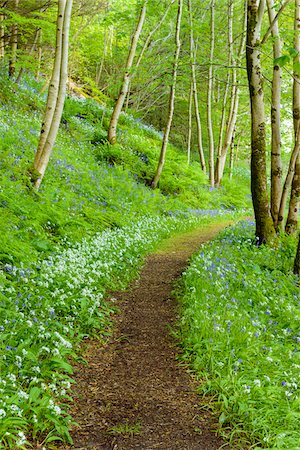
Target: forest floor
[[134, 394]]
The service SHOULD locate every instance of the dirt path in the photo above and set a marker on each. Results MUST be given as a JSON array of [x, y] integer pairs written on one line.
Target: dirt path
[[133, 394]]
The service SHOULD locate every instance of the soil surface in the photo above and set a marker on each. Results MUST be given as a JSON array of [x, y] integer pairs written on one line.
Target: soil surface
[[134, 394]]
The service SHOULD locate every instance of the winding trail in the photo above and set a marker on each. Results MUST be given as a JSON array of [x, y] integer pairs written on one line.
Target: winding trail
[[134, 394]]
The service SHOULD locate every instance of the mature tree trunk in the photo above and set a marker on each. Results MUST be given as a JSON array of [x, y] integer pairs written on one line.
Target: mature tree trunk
[[13, 45], [165, 140], [193, 57], [292, 219], [297, 260], [209, 97], [112, 130], [276, 164], [234, 105], [264, 224], [56, 94]]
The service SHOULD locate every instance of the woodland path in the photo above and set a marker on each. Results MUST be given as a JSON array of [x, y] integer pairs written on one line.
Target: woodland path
[[134, 394]]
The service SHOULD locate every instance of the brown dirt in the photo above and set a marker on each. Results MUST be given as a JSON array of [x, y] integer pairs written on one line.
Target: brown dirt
[[133, 394]]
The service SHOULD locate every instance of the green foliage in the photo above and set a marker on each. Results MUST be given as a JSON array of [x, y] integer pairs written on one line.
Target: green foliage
[[240, 332], [83, 233]]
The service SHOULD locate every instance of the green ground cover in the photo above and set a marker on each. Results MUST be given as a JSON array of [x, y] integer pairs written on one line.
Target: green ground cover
[[84, 232], [240, 331]]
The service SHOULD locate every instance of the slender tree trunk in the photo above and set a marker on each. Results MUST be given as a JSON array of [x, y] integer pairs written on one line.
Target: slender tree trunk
[[209, 97], [39, 55], [57, 92], [234, 104], [13, 45], [276, 164], [233, 152], [165, 141], [218, 174], [264, 224], [103, 56], [112, 130], [289, 178], [189, 140], [292, 219], [194, 85], [2, 37], [222, 127], [297, 260], [54, 83]]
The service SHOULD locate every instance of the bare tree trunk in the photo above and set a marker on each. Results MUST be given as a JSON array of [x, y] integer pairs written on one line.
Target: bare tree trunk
[[165, 141], [233, 152], [39, 55], [209, 97], [289, 178], [264, 224], [54, 83], [112, 130], [276, 164], [2, 37], [13, 45], [292, 219], [218, 174], [194, 86], [190, 124], [297, 260], [234, 104], [100, 67], [56, 94]]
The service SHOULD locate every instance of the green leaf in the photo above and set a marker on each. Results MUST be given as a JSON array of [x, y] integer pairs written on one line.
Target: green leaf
[[34, 393], [59, 363], [293, 52], [222, 418], [53, 438], [282, 60]]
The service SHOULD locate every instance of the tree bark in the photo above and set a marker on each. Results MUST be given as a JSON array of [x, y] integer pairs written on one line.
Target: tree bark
[[276, 164], [189, 140], [291, 225], [297, 260], [165, 140], [234, 105], [289, 178], [264, 224], [56, 94], [112, 130], [13, 45], [194, 87], [209, 97], [2, 37], [218, 174]]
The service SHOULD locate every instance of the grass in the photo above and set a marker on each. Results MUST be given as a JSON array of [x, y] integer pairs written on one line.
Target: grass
[[126, 429], [240, 331]]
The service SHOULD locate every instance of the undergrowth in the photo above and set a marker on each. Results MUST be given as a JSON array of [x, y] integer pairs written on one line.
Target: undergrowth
[[240, 331]]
